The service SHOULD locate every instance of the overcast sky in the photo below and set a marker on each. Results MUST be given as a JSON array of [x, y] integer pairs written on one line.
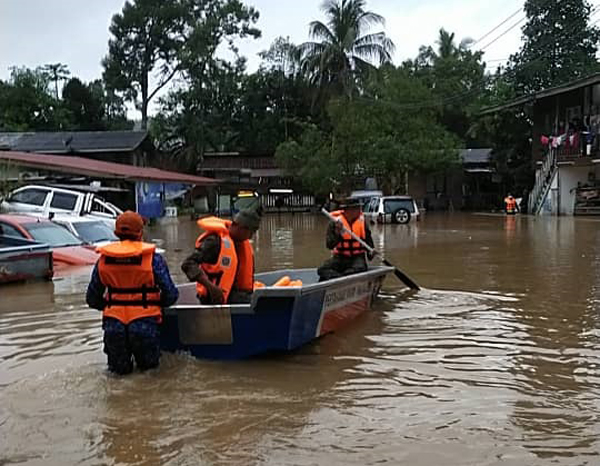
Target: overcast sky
[[75, 32]]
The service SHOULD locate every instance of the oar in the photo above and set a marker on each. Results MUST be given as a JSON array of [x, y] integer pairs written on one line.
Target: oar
[[399, 273]]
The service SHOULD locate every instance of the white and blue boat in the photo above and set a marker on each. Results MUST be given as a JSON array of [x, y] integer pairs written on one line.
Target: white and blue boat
[[278, 319]]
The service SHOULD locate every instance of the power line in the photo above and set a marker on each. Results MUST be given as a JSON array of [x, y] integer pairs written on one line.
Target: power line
[[503, 34], [496, 27], [478, 88]]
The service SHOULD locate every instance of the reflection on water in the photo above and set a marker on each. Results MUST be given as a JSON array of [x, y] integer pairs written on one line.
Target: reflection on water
[[495, 362]]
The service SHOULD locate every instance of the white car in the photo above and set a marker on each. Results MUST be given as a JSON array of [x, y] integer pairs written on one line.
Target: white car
[[41, 201], [92, 231], [365, 196], [392, 209], [89, 230]]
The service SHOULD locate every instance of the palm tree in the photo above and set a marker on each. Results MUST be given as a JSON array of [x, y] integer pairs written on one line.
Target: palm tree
[[342, 52], [447, 48], [57, 72]]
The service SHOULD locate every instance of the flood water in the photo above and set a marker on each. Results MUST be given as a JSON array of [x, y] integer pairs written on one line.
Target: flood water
[[495, 362]]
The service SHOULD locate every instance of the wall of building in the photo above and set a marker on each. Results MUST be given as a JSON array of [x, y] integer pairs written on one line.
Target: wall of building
[[568, 178]]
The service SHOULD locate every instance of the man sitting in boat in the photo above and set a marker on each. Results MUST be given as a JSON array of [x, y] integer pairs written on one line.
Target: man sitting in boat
[[349, 257], [131, 284], [223, 263]]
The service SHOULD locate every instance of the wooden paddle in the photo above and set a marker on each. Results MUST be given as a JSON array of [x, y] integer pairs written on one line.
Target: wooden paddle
[[399, 273]]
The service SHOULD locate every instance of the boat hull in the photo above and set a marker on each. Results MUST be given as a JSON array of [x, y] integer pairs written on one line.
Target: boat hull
[[277, 319]]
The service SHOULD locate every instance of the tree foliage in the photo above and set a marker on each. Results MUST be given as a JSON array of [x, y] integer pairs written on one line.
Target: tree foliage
[[456, 77], [142, 52], [26, 103], [559, 45], [379, 136], [343, 52], [57, 72]]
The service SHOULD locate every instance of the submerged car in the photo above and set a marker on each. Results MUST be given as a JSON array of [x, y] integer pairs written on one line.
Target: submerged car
[[67, 249], [89, 230], [392, 209]]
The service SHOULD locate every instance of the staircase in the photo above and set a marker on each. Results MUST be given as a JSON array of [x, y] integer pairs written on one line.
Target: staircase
[[543, 180]]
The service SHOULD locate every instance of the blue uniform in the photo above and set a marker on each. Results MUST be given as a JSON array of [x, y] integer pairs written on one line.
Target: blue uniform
[[140, 338]]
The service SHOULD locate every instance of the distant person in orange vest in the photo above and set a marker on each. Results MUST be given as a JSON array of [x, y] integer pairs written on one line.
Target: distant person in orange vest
[[223, 263], [510, 205], [131, 284], [349, 256]]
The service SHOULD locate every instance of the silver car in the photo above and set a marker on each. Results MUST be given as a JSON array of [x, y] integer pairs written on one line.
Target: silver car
[[392, 209]]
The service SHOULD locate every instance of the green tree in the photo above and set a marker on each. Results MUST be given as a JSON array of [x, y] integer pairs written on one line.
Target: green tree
[[456, 76], [202, 113], [57, 72], [142, 52], [85, 104], [26, 103], [559, 45], [386, 136], [342, 52]]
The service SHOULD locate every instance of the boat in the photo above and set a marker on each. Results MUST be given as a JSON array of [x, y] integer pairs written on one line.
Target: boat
[[23, 259], [278, 319]]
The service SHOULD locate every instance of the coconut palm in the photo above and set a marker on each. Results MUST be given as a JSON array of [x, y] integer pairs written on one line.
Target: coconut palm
[[56, 72], [342, 51]]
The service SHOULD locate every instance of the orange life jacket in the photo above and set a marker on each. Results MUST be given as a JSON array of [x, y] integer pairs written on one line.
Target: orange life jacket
[[235, 265], [511, 204], [348, 246], [125, 268]]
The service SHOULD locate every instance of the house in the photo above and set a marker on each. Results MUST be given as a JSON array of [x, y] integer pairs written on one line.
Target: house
[[470, 185], [565, 147], [258, 172], [146, 189], [129, 147]]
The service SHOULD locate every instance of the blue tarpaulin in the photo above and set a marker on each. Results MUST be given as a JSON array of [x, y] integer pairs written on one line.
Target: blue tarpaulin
[[151, 197]]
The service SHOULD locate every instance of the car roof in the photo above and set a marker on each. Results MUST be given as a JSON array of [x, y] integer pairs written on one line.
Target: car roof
[[20, 218], [402, 198], [75, 219], [50, 188]]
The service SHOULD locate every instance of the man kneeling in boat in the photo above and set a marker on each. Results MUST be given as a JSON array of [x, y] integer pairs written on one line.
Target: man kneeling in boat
[[131, 284], [223, 263], [349, 256]]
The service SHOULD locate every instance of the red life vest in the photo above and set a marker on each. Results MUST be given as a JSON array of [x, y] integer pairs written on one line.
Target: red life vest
[[348, 246], [235, 265], [511, 204], [125, 268]]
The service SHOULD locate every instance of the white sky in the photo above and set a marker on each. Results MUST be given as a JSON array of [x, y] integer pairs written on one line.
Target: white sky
[[75, 32]]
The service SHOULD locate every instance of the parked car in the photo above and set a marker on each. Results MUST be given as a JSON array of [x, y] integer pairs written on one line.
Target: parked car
[[392, 209], [89, 230], [44, 200], [365, 196], [67, 249]]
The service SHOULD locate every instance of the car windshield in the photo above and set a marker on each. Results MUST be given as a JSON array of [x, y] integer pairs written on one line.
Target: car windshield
[[52, 234], [392, 205], [94, 232]]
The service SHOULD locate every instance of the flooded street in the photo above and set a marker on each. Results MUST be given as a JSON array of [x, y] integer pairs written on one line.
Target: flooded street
[[495, 362]]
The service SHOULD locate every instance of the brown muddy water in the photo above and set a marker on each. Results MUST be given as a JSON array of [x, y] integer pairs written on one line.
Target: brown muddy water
[[496, 362]]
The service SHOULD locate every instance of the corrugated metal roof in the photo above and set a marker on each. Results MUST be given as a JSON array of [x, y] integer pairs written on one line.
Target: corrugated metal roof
[[476, 155], [567, 87], [65, 142], [100, 169]]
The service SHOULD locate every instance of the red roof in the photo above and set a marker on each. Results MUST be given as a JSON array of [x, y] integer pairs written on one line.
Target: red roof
[[100, 169]]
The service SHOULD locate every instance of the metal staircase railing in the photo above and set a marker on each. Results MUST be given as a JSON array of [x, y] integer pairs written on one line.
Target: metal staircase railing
[[543, 180]]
